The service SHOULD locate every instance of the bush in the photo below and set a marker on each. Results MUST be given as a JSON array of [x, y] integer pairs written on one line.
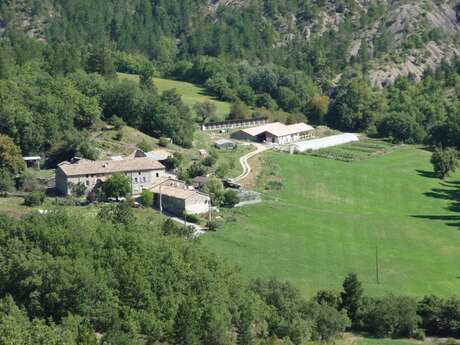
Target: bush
[[213, 225], [27, 182], [6, 182], [163, 142], [145, 146], [191, 218], [170, 228], [419, 334], [147, 198], [34, 199], [117, 122], [118, 136], [174, 161], [274, 185], [196, 169], [231, 198], [209, 161]]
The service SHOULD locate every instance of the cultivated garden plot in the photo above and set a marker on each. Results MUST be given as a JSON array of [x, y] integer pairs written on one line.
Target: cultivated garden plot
[[356, 151]]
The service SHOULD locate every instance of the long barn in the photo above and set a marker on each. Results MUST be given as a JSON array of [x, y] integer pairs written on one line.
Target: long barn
[[276, 133]]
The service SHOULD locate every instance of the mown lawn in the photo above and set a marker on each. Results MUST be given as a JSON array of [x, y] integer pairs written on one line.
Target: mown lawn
[[190, 93], [329, 217]]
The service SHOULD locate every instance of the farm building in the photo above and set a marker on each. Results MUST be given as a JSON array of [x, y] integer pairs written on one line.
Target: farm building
[[141, 171], [224, 144], [177, 198], [32, 161], [321, 143], [233, 124], [276, 133]]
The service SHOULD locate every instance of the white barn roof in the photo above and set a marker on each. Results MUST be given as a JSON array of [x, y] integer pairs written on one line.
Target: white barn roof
[[278, 129]]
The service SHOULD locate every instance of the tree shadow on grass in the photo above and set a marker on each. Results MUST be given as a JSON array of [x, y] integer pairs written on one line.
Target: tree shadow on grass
[[449, 190], [425, 173]]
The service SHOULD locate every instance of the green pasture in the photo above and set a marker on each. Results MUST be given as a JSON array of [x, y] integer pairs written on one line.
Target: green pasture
[[190, 93], [329, 217]]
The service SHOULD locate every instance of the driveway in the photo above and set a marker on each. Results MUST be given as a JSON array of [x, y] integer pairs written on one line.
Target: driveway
[[244, 160]]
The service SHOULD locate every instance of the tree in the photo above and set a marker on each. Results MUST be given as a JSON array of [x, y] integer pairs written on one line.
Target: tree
[[351, 295], [78, 189], [10, 156], [239, 111], [100, 61], [231, 198], [317, 108], [353, 107], [444, 161], [121, 213], [6, 181], [205, 110], [328, 297], [145, 146], [117, 186], [147, 198], [146, 77], [34, 199], [215, 189]]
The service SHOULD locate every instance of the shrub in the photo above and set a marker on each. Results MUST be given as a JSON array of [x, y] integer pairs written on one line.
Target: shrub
[[231, 198], [209, 161], [118, 136], [169, 228], [274, 185], [147, 198], [213, 225], [117, 122], [196, 169], [6, 181], [419, 334], [191, 218], [174, 161], [28, 182], [163, 142], [145, 146], [34, 199]]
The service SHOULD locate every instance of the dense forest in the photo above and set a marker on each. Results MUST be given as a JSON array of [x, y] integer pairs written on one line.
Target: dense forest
[[137, 282], [58, 62], [131, 282]]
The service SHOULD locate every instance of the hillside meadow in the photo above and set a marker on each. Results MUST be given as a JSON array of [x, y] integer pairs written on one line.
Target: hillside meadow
[[191, 93], [329, 217]]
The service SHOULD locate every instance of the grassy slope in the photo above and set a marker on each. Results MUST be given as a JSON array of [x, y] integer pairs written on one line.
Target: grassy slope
[[330, 215], [190, 93]]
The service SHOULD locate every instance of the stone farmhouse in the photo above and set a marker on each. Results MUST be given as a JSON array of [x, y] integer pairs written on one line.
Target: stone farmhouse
[[175, 197], [275, 133], [142, 171]]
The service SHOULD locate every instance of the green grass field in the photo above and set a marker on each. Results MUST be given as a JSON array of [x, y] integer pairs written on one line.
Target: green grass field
[[329, 217], [369, 341], [190, 93]]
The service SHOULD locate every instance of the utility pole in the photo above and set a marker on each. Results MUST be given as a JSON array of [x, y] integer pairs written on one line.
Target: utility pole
[[209, 213], [377, 264], [161, 201]]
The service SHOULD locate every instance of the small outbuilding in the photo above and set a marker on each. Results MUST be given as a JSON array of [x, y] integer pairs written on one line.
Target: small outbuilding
[[177, 198], [224, 144], [32, 161]]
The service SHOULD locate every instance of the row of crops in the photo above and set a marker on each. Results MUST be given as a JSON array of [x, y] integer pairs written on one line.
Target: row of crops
[[355, 151]]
